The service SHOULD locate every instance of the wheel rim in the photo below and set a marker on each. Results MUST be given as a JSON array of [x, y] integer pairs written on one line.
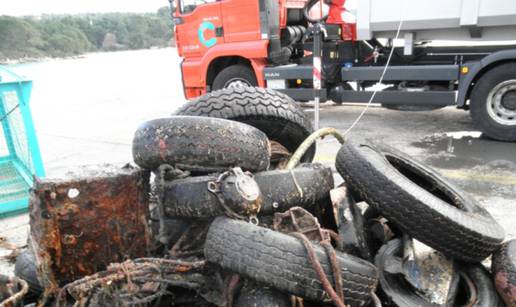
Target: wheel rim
[[500, 110], [236, 83]]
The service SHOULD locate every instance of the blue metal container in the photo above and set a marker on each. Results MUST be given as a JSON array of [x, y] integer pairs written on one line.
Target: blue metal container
[[20, 157]]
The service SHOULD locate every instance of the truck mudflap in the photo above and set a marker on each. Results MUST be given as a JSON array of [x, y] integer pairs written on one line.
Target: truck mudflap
[[91, 219]]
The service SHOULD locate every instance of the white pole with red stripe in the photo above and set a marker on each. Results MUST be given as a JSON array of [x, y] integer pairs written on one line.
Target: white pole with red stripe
[[317, 71]]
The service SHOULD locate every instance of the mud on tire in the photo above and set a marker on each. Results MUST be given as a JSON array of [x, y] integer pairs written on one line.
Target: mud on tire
[[420, 202], [274, 113], [190, 198], [281, 261], [200, 144]]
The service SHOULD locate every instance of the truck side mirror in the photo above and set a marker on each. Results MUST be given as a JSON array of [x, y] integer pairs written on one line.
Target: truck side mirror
[[172, 7]]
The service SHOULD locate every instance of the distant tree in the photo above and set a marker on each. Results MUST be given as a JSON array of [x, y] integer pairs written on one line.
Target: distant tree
[[164, 12], [70, 35], [18, 38]]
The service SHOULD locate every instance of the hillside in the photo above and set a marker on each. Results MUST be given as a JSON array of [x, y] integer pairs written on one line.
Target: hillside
[[69, 35]]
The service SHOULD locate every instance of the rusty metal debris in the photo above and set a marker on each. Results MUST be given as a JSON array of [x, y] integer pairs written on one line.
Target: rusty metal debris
[[133, 282], [81, 224], [428, 271], [96, 244], [350, 223]]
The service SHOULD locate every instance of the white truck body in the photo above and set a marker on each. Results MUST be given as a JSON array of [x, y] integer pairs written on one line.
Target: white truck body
[[427, 20]]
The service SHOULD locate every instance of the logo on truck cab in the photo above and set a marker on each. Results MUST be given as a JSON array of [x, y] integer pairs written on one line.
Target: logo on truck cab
[[203, 28]]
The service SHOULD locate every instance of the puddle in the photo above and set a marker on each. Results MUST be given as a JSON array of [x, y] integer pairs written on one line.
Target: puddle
[[462, 150], [478, 165]]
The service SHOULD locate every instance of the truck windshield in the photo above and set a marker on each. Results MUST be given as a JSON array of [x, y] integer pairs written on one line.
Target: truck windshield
[[188, 6]]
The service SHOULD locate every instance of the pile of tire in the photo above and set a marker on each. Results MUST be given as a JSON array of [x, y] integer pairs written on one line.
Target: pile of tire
[[193, 154], [216, 194], [408, 199]]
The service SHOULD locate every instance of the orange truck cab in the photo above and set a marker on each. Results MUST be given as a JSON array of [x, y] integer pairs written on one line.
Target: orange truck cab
[[229, 42]]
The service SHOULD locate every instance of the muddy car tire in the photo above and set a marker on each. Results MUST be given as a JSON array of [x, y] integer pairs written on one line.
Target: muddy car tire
[[200, 144], [504, 272], [277, 115], [281, 261], [420, 202], [258, 295], [190, 198], [26, 269], [484, 287]]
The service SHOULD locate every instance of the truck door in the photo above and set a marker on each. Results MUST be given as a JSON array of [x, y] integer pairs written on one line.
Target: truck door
[[242, 19], [198, 26]]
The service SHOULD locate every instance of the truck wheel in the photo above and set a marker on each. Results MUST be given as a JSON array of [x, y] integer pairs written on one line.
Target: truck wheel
[[233, 77], [200, 144], [493, 103], [281, 261], [274, 113], [420, 202]]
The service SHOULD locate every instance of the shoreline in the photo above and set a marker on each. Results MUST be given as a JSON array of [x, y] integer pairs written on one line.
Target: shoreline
[[26, 60]]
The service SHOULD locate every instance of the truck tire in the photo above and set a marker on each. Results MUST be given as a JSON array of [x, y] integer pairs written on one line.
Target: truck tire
[[274, 113], [190, 198], [200, 144], [504, 272], [486, 293], [235, 76], [281, 261], [25, 268], [420, 202], [493, 103]]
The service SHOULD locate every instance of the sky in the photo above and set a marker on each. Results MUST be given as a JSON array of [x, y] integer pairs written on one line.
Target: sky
[[38, 7]]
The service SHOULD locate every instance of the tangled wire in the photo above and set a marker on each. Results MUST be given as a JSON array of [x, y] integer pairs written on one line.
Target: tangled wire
[[133, 282]]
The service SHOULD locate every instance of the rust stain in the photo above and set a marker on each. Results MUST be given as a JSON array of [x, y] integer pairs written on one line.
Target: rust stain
[[163, 149], [82, 224], [505, 288]]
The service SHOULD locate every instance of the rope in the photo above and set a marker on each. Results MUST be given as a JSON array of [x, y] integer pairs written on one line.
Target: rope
[[337, 300], [300, 152], [359, 118]]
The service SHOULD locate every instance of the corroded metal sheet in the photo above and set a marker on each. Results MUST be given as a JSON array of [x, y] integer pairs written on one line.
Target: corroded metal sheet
[[429, 271], [81, 224]]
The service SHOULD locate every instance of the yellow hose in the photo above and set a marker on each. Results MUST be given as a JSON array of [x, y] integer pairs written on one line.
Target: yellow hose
[[301, 150]]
